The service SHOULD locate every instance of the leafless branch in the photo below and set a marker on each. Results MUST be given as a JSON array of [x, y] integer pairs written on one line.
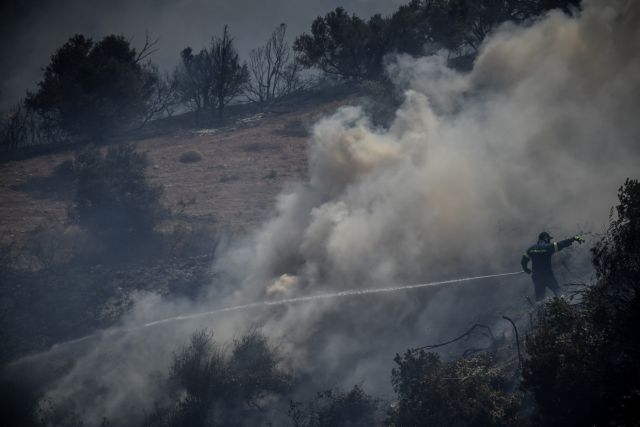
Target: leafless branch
[[467, 334], [273, 70], [517, 339], [148, 49]]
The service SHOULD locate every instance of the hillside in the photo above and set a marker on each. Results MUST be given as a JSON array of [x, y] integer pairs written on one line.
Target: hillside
[[243, 167]]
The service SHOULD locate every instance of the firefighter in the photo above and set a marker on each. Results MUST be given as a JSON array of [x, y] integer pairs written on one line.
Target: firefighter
[[540, 255]]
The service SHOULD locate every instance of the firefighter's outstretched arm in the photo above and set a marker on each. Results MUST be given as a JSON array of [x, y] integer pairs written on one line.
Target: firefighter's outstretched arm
[[558, 246], [525, 263]]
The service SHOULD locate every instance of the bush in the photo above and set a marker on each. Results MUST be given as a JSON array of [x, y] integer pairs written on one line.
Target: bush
[[190, 156], [334, 408], [210, 388], [114, 200], [471, 391]]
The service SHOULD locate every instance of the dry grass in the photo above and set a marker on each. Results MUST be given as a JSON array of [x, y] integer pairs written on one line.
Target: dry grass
[[227, 187]]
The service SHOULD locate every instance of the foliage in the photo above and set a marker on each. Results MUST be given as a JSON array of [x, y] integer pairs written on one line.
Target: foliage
[[354, 49], [426, 26], [470, 391], [583, 365], [212, 389], [93, 90], [114, 199], [344, 45], [334, 408]]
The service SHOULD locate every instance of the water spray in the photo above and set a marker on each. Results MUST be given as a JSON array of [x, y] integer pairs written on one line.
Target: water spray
[[288, 301], [347, 293]]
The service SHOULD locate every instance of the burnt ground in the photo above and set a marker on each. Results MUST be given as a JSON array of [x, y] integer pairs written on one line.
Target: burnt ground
[[242, 168]]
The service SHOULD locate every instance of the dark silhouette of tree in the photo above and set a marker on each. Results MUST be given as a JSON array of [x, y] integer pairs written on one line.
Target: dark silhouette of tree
[[193, 79], [273, 70], [344, 45], [228, 75], [425, 27], [93, 90], [213, 77]]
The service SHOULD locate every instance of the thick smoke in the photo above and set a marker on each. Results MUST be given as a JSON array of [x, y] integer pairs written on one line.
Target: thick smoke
[[539, 135]]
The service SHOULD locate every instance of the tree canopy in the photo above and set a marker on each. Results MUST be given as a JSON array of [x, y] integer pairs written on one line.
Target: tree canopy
[[352, 48], [94, 89]]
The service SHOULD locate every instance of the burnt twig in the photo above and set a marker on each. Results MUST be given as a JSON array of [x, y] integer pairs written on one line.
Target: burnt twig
[[465, 335], [517, 339]]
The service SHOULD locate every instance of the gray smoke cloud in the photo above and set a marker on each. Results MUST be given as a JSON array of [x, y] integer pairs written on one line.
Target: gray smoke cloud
[[33, 29], [539, 135]]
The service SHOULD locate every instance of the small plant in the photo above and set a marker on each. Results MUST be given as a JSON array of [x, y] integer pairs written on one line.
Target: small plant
[[191, 156]]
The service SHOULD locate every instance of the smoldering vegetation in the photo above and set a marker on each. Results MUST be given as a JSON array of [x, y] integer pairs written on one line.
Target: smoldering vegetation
[[539, 134]]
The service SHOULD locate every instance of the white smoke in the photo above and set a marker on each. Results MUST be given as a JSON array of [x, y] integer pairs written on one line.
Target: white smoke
[[539, 135]]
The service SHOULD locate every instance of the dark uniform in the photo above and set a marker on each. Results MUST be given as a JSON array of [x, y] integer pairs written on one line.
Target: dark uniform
[[540, 255]]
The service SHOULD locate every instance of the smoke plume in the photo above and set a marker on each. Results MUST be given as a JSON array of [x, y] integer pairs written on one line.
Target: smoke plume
[[539, 135]]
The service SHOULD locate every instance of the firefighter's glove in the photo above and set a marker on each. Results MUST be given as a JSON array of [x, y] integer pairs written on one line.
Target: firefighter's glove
[[578, 239], [526, 270]]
